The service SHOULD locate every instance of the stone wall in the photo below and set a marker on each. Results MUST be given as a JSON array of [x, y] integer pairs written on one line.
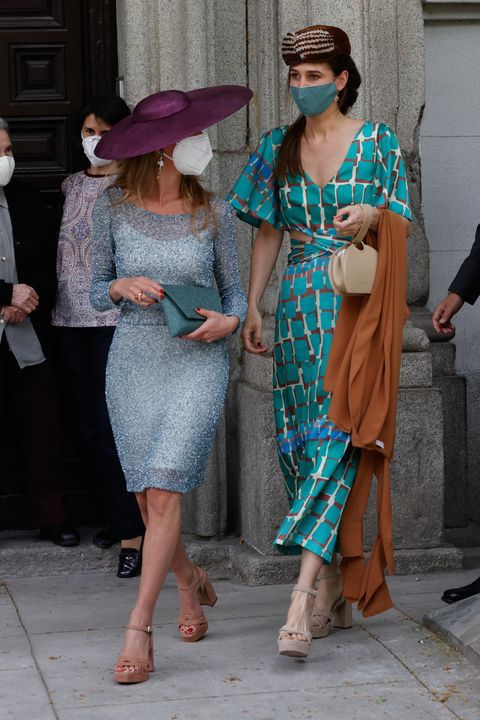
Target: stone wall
[[190, 43]]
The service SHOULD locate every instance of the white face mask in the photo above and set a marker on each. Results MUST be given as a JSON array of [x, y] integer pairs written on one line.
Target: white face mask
[[192, 154], [7, 166], [89, 145]]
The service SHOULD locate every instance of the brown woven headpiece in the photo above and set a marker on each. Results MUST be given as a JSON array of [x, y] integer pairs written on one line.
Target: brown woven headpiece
[[316, 43]]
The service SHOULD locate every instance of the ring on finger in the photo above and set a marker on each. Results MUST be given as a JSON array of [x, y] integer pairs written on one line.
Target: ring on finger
[[138, 296]]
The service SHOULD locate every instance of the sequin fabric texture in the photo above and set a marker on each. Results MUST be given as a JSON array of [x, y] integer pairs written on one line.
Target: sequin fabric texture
[[74, 254], [165, 395], [317, 459]]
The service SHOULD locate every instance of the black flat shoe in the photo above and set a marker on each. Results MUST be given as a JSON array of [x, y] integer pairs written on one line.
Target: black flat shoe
[[62, 534], [456, 594], [105, 537], [129, 563]]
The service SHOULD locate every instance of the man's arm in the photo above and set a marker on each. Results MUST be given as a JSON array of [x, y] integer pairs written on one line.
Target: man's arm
[[464, 288], [467, 281]]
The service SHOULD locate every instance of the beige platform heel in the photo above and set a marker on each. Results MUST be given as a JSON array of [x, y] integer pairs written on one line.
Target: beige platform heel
[[298, 648], [206, 596], [144, 666], [339, 615]]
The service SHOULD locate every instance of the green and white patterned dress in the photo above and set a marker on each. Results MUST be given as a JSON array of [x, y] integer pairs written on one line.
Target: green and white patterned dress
[[317, 459]]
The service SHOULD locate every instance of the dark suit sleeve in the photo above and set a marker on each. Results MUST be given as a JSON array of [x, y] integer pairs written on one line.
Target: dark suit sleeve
[[43, 276], [6, 290], [467, 280]]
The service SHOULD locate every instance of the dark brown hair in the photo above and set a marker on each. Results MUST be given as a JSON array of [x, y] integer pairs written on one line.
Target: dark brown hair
[[136, 176], [289, 160]]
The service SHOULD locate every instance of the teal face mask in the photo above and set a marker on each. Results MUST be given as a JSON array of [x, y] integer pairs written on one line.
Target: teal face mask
[[314, 99]]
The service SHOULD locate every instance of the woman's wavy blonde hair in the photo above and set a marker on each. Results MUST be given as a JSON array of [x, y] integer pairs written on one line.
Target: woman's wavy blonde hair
[[136, 176]]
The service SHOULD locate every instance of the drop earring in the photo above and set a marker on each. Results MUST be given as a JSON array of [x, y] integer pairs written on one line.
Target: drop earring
[[160, 164]]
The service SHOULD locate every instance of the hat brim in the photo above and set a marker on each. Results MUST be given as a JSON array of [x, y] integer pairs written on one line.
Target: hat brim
[[130, 138]]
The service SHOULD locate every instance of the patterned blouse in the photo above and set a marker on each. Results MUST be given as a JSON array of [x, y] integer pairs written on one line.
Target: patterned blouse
[[373, 172], [74, 255]]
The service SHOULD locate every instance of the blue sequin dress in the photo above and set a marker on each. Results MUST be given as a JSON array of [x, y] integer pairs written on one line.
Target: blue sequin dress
[[165, 395]]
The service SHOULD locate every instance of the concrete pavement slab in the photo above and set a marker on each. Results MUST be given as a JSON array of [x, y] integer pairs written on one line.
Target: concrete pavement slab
[[432, 662], [15, 652], [385, 668], [10, 624], [394, 702], [420, 594], [23, 695], [463, 698]]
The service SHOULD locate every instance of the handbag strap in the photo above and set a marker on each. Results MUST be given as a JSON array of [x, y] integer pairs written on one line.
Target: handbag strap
[[367, 221]]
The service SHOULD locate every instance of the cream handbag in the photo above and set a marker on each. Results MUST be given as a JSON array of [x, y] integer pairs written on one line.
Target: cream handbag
[[352, 269]]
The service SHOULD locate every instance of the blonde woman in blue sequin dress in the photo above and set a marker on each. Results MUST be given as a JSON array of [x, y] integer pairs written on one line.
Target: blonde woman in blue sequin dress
[[309, 179], [165, 395]]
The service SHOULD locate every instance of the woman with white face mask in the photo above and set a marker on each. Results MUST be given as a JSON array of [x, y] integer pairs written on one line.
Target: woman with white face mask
[[83, 335], [158, 230]]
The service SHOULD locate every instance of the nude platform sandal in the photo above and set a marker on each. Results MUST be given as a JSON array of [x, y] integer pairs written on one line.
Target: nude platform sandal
[[206, 596], [144, 666], [297, 648], [339, 615]]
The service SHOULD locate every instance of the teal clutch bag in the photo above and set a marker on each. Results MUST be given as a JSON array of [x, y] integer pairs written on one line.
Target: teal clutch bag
[[179, 306]]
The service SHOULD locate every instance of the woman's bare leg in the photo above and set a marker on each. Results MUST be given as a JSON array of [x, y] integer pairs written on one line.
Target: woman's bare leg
[[297, 612], [161, 539], [141, 498], [184, 571], [329, 588], [134, 543]]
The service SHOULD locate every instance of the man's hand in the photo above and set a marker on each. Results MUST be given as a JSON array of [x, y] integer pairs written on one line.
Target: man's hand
[[24, 298], [12, 314], [444, 312]]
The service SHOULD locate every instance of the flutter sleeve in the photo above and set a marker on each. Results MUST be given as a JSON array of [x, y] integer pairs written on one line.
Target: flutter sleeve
[[104, 270], [390, 177], [254, 196], [225, 266]]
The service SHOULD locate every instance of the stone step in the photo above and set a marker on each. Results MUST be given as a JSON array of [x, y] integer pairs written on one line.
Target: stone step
[[23, 555], [459, 626]]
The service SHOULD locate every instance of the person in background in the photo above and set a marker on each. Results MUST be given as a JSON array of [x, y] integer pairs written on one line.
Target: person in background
[[464, 288], [27, 289], [83, 336]]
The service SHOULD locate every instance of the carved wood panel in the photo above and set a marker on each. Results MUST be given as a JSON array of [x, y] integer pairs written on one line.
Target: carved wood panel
[[37, 73], [17, 14]]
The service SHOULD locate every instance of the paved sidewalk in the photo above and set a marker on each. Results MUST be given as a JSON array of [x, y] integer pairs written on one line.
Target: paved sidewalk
[[59, 637]]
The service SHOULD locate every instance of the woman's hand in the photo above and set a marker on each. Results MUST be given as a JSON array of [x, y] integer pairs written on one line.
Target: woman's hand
[[215, 327], [252, 332], [349, 220], [136, 289]]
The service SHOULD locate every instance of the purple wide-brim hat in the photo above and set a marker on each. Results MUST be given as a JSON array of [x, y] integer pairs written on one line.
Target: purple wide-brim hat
[[169, 116]]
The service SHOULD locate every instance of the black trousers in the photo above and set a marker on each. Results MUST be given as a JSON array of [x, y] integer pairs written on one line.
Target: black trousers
[[30, 397], [83, 353]]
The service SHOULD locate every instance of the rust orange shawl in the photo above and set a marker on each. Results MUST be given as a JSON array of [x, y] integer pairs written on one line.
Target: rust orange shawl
[[363, 374]]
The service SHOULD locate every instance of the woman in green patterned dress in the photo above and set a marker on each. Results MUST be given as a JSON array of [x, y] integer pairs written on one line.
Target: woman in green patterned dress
[[309, 179]]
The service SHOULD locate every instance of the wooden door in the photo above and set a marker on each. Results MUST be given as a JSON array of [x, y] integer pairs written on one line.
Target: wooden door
[[54, 55]]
